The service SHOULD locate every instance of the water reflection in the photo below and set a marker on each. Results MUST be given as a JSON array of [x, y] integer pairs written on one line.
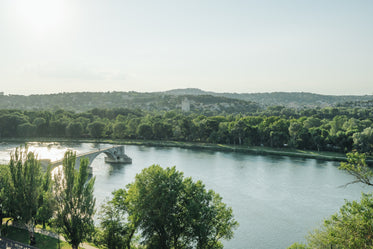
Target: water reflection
[[276, 199]]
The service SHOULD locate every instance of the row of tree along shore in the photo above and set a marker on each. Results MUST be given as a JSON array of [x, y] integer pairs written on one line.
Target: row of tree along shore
[[255, 150], [338, 130]]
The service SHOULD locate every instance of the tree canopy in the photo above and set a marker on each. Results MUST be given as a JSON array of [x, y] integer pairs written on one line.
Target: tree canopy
[[350, 228], [76, 203], [24, 188], [169, 211]]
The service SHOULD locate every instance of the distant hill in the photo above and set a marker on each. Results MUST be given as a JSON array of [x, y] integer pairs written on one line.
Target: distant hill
[[84, 101], [195, 99], [288, 99]]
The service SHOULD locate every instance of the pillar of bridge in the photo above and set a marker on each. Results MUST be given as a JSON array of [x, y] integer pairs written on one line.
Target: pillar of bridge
[[117, 155]]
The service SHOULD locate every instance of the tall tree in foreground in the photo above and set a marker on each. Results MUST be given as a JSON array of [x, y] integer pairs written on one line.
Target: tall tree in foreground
[[170, 212], [46, 200], [4, 174], [116, 229], [24, 188], [76, 204]]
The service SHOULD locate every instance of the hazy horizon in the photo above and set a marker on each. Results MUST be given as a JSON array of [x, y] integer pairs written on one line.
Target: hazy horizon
[[55, 46], [51, 93]]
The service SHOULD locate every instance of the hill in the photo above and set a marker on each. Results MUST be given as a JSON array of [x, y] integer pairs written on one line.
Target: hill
[[84, 101], [288, 99], [195, 100]]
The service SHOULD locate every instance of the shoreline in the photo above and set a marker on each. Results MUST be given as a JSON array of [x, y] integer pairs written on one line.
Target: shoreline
[[257, 150]]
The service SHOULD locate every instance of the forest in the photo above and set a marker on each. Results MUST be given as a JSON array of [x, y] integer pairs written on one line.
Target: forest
[[206, 102], [337, 129]]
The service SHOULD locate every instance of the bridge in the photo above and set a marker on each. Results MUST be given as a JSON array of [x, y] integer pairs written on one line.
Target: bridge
[[113, 154]]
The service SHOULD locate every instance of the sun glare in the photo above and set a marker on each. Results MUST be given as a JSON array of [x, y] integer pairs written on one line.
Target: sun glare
[[40, 16]]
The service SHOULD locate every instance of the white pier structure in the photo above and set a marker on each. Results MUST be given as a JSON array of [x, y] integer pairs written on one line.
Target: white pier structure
[[113, 154]]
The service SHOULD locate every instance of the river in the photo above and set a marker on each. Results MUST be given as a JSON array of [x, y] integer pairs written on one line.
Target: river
[[276, 199]]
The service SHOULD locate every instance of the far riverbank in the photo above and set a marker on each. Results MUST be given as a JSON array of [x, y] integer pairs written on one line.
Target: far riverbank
[[319, 155]]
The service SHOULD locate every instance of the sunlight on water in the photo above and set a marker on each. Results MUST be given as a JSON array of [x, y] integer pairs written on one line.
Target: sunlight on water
[[53, 151], [276, 200]]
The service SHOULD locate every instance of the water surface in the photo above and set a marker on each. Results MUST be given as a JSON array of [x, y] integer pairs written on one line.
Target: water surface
[[276, 199]]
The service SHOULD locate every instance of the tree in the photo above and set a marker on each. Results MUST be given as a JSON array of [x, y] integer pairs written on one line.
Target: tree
[[144, 131], [74, 129], [96, 129], [351, 227], [161, 130], [76, 204], [357, 167], [41, 126], [9, 123], [57, 127], [363, 141], [4, 174], [26, 130], [119, 129], [46, 200], [25, 188], [298, 246], [116, 231], [171, 211]]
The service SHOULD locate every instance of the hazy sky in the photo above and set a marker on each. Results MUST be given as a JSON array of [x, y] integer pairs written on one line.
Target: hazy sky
[[320, 46]]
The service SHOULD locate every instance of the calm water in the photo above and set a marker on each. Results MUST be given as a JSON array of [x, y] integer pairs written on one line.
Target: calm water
[[276, 200]]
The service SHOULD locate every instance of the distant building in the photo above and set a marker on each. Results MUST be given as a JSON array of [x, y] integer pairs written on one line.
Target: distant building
[[185, 105]]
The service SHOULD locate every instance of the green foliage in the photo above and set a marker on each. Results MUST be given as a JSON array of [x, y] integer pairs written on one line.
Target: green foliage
[[357, 167], [96, 129], [145, 131], [24, 188], [76, 204], [74, 129], [169, 211], [329, 129], [4, 198], [364, 140], [115, 232], [119, 129], [298, 246], [47, 202], [351, 227]]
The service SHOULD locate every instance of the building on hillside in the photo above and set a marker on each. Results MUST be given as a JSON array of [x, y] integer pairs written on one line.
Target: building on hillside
[[185, 105]]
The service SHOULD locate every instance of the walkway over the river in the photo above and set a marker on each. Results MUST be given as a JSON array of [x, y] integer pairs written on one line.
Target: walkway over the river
[[113, 154]]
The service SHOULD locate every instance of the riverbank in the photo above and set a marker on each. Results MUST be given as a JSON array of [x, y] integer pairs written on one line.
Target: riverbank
[[257, 150]]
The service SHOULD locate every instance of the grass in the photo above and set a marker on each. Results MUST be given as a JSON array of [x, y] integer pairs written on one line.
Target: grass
[[42, 241]]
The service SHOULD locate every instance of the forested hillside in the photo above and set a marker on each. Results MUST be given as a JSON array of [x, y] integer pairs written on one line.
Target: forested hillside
[[289, 99], [209, 103], [85, 101]]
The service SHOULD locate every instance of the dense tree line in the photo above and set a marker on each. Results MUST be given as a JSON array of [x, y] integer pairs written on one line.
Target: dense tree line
[[329, 129]]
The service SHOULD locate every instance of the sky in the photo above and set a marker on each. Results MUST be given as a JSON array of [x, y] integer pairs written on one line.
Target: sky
[[318, 46]]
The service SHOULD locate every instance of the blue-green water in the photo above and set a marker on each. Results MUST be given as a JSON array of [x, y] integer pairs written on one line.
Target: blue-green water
[[276, 199]]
